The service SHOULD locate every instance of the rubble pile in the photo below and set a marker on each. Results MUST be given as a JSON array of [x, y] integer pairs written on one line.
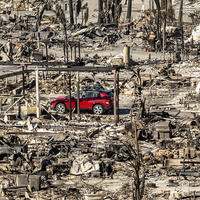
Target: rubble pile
[[145, 145]]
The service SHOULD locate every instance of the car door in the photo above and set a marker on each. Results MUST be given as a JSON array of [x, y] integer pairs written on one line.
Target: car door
[[83, 100], [88, 99]]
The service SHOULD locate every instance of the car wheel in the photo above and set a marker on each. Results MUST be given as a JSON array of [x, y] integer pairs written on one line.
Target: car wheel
[[98, 109], [60, 108]]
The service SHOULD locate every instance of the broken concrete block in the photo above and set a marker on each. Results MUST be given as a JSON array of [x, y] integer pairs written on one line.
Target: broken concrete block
[[35, 181], [22, 180]]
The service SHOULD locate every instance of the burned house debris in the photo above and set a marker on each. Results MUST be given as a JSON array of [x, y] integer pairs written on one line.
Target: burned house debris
[[99, 99]]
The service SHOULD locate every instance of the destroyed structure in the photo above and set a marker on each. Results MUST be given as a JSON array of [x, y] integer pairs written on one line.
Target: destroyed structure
[[147, 53]]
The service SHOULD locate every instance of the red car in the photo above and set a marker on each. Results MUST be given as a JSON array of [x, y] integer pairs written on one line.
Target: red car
[[98, 101]]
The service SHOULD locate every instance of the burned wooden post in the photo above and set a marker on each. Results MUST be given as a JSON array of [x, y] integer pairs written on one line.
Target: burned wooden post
[[158, 20], [70, 98], [115, 96], [64, 49], [79, 49], [23, 79], [0, 104], [46, 45], [67, 49], [180, 22], [137, 167], [163, 41], [29, 53], [74, 52], [71, 51], [164, 28], [128, 17], [115, 13], [78, 96], [71, 12], [37, 93], [100, 6]]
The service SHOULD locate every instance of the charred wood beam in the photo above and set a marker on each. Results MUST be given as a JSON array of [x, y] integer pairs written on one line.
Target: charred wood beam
[[15, 74]]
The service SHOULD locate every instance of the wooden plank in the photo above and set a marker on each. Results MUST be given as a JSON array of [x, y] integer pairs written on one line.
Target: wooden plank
[[14, 104]]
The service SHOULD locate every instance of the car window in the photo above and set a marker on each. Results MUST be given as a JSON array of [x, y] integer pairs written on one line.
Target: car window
[[74, 95], [91, 94], [110, 94]]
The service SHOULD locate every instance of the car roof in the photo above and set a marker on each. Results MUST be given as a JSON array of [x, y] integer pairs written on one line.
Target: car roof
[[96, 90]]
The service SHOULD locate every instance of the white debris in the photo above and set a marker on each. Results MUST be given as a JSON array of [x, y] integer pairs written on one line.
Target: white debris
[[195, 35]]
